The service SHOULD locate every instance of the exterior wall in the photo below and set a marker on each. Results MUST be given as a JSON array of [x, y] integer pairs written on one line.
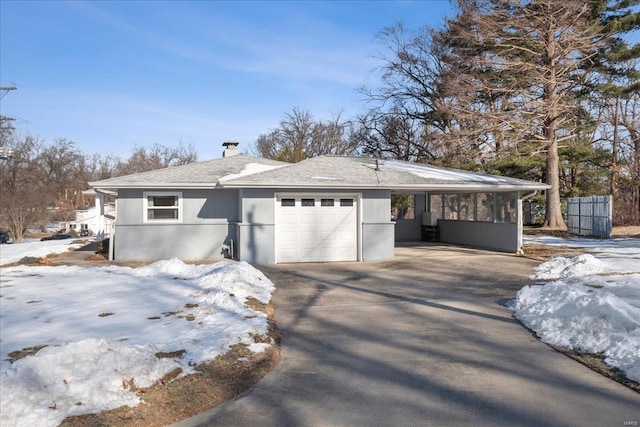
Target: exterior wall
[[257, 230], [499, 236], [184, 241], [410, 230], [378, 230], [205, 232], [212, 219], [377, 241]]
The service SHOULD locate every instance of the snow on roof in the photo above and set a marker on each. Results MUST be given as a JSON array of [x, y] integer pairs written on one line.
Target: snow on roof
[[442, 174], [250, 169]]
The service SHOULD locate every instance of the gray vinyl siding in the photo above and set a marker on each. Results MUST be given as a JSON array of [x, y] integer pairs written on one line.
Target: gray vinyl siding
[[410, 230], [214, 220], [257, 231], [496, 236], [206, 230], [185, 241], [198, 206], [377, 228]]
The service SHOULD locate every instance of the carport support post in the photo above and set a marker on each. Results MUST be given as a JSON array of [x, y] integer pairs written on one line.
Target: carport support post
[[519, 222]]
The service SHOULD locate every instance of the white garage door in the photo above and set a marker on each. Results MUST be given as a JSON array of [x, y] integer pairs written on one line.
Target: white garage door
[[316, 228]]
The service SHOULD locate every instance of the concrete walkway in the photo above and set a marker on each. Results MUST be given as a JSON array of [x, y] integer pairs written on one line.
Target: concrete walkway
[[421, 339]]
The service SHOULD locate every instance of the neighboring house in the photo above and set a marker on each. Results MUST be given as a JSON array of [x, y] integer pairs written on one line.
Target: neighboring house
[[94, 220], [328, 208]]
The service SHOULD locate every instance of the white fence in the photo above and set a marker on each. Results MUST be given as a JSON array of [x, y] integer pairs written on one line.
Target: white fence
[[590, 216]]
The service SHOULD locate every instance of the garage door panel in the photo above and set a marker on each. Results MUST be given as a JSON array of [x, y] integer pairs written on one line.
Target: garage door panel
[[320, 229]]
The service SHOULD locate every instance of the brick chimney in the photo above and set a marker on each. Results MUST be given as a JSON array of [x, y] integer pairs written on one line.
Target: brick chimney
[[230, 148]]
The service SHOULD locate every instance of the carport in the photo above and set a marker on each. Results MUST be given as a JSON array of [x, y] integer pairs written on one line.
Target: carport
[[488, 220]]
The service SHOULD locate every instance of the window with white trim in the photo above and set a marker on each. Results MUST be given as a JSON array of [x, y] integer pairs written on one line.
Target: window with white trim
[[162, 206]]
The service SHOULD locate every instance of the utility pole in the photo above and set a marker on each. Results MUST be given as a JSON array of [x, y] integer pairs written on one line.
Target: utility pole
[[7, 89], [6, 153]]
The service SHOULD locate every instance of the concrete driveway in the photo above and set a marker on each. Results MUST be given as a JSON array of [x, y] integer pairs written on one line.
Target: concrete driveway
[[421, 339]]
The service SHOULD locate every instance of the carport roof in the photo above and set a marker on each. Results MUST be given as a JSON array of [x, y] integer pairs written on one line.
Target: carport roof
[[328, 172]]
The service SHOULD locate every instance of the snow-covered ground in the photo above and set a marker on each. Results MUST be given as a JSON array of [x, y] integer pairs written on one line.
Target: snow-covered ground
[[35, 248], [591, 302], [103, 326]]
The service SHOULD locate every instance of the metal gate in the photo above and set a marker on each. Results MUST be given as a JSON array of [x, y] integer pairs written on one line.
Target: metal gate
[[590, 216]]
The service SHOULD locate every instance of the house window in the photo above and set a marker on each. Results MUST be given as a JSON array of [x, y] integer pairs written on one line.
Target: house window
[[346, 202], [326, 202], [288, 202], [308, 202], [163, 207]]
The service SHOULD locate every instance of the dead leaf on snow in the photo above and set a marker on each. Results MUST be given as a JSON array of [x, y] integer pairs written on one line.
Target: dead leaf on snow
[[170, 354]]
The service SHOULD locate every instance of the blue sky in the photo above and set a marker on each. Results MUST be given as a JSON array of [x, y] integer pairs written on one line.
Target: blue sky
[[113, 74]]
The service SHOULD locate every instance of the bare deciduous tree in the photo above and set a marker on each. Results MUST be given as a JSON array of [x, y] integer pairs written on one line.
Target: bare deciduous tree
[[22, 187], [158, 156], [300, 136]]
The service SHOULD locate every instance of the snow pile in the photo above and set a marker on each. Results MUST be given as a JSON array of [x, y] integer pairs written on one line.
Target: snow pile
[[104, 326], [16, 251], [593, 306], [582, 265]]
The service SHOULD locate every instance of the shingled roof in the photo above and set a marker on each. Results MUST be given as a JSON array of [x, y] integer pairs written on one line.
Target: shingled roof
[[337, 172], [193, 175], [364, 172]]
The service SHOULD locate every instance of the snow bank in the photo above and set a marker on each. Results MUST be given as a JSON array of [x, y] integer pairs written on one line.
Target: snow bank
[[575, 316], [582, 265], [593, 306], [16, 251], [103, 327]]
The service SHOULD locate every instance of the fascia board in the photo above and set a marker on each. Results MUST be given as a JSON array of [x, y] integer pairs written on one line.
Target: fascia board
[[420, 187], [141, 185]]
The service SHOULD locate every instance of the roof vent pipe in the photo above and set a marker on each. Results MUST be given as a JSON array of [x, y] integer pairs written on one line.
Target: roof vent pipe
[[230, 148]]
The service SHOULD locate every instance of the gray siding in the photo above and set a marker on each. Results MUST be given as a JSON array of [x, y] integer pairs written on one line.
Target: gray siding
[[503, 237], [378, 234], [410, 230], [377, 241], [257, 231], [206, 229], [212, 219], [184, 241], [199, 206], [257, 243]]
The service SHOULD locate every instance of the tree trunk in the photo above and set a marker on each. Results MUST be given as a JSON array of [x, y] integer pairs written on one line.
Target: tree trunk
[[613, 188], [554, 217]]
